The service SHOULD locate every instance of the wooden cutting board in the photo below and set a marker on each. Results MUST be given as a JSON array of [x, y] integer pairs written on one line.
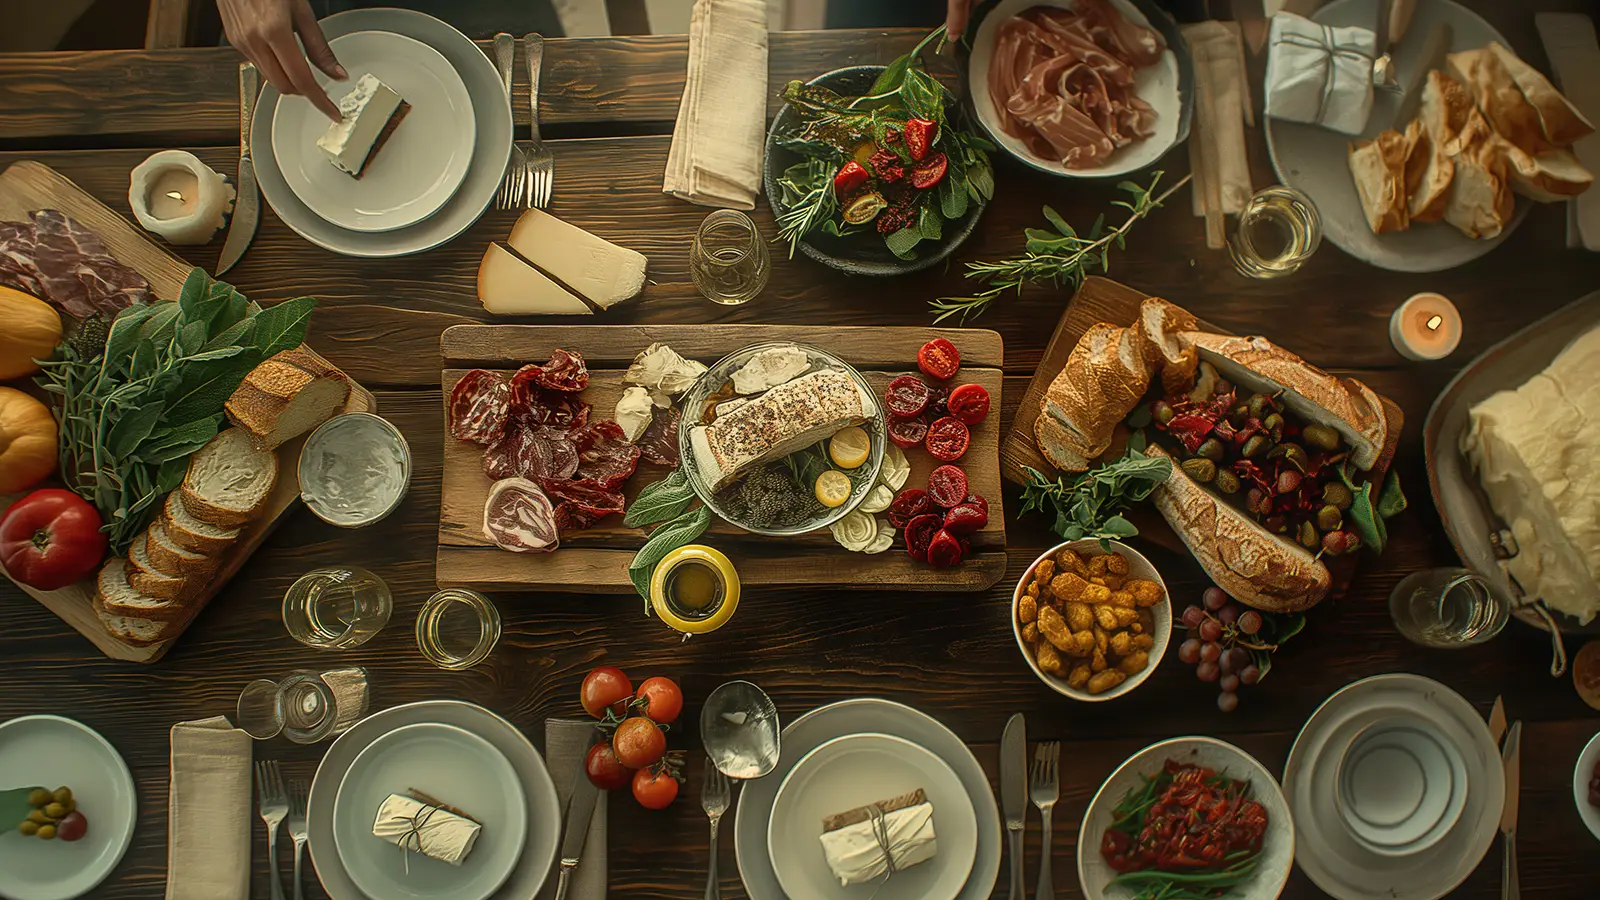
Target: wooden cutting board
[[596, 560], [26, 186]]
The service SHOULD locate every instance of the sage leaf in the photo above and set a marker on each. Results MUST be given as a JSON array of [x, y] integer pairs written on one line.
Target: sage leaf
[[240, 332], [660, 500], [132, 428], [170, 475], [191, 337], [282, 327], [207, 385], [124, 334], [664, 540], [195, 288], [157, 330], [144, 362]]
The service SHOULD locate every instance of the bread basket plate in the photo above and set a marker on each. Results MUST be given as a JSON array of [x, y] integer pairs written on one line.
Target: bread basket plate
[[1468, 519], [1314, 160]]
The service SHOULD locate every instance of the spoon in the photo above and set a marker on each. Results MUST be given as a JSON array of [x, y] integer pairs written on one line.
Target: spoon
[[739, 726]]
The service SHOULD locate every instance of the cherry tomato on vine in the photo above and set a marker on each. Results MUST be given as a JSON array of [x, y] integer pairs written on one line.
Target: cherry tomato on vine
[[939, 359], [605, 688], [663, 699], [639, 742], [605, 771], [654, 789]]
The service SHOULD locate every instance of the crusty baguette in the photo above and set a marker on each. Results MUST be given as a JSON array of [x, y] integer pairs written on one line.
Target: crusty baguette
[[1561, 122], [229, 480], [1255, 566], [287, 396], [1518, 101], [1162, 323], [1054, 442], [133, 630], [117, 597], [190, 533], [1103, 380], [1344, 404], [1479, 203], [1548, 177]]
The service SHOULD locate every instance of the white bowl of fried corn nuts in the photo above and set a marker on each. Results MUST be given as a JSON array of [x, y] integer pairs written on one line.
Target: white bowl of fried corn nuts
[[1092, 623]]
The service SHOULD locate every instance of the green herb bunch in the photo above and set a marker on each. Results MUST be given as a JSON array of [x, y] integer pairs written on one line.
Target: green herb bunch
[[1090, 505], [666, 501], [1060, 256], [131, 411]]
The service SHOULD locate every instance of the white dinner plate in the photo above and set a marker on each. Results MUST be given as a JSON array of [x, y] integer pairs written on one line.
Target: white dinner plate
[[491, 149], [1402, 787], [800, 737], [1327, 852], [51, 751], [1315, 160], [421, 164], [533, 782], [853, 771]]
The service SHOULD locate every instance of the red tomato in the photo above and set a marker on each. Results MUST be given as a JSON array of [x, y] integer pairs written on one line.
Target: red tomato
[[663, 700], [654, 790], [907, 505], [72, 827], [947, 486], [945, 550], [919, 534], [948, 439], [603, 688], [965, 519], [907, 433], [50, 539], [969, 403], [907, 396], [939, 359], [605, 771], [639, 742]]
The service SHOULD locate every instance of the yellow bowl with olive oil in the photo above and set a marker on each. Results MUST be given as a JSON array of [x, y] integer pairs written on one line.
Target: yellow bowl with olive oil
[[695, 589]]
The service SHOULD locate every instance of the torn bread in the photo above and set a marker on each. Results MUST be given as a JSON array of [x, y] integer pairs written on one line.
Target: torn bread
[[229, 480], [1379, 169], [287, 396], [1103, 380], [1480, 203], [1518, 100], [1548, 177]]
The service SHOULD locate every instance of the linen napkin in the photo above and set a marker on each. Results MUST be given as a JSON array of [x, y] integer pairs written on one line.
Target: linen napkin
[[1217, 154], [1319, 74], [719, 137], [208, 812], [565, 743]]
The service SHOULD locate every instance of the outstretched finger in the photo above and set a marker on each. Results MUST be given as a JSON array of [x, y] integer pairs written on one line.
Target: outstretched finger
[[298, 71], [261, 54], [317, 49]]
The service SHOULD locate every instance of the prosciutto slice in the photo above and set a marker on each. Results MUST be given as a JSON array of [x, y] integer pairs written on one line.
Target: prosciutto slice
[[519, 517], [1062, 81]]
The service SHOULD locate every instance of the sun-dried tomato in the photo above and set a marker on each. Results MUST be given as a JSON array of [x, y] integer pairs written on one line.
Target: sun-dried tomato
[[850, 176], [909, 504], [887, 167], [945, 550], [929, 172], [919, 135], [1191, 430], [919, 534], [965, 518]]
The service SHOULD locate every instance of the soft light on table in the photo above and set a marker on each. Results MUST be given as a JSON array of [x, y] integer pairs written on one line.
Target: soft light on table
[[175, 195], [1425, 327]]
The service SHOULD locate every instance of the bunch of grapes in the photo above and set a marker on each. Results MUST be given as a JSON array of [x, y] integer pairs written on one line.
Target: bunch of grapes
[[1221, 644]]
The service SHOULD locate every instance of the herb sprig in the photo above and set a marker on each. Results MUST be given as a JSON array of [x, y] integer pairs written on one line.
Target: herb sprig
[[1090, 505], [1059, 256]]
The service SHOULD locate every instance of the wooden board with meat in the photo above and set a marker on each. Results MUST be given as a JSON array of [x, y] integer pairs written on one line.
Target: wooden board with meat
[[189, 481], [532, 464]]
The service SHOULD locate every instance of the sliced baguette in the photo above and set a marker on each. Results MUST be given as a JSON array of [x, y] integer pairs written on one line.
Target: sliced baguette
[[190, 533], [1055, 443], [115, 597], [229, 480], [167, 556], [1103, 380], [133, 631], [287, 396], [147, 579]]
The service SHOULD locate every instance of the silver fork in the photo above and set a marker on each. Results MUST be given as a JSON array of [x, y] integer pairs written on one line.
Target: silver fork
[[273, 802], [297, 829], [714, 800], [540, 164], [512, 185], [1044, 788]]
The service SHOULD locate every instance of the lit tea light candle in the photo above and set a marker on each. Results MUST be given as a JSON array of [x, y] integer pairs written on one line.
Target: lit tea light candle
[[1425, 327], [175, 195]]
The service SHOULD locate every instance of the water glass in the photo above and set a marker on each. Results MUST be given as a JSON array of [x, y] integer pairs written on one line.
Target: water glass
[[728, 260], [1276, 233], [336, 608], [306, 707], [457, 628], [1448, 607]]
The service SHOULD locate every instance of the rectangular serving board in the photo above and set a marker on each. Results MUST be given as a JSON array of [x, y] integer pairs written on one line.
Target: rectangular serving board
[[26, 186], [596, 559]]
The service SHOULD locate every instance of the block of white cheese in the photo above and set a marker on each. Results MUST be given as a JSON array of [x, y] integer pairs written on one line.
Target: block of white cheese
[[770, 368], [854, 846], [508, 286], [425, 828], [596, 268], [662, 369], [366, 115], [790, 417], [634, 411]]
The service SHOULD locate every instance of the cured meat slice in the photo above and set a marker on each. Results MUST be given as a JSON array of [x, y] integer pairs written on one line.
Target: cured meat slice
[[479, 405], [519, 517], [539, 406], [566, 371], [533, 453], [659, 443], [605, 458], [55, 259], [579, 504]]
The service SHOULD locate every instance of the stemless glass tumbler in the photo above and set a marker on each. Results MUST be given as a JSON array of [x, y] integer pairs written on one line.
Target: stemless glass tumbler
[[728, 260]]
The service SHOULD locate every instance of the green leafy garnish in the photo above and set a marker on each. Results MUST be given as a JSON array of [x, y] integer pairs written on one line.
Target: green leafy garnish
[[1090, 504], [661, 500], [665, 539]]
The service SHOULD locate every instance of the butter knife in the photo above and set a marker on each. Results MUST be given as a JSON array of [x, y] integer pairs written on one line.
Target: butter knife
[[1497, 720], [1511, 756], [580, 812], [1014, 793], [247, 200]]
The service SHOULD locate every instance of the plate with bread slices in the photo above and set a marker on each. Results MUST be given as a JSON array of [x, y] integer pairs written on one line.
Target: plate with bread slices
[[1490, 137]]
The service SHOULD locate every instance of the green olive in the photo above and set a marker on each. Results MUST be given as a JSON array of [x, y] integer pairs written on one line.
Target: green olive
[[1260, 406], [1163, 411], [1308, 535], [1239, 416], [1337, 495], [62, 794], [1273, 423], [28, 829], [1321, 437], [1255, 446], [48, 832], [39, 797], [1212, 449], [1329, 518], [1227, 482], [1200, 469], [1293, 453], [55, 810], [38, 817]]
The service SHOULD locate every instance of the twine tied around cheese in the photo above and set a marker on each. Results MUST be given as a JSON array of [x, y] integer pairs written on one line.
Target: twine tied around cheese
[[880, 833], [415, 822], [1329, 45]]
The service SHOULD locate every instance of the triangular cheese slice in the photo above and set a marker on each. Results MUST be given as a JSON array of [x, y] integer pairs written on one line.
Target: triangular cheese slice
[[507, 286], [596, 268]]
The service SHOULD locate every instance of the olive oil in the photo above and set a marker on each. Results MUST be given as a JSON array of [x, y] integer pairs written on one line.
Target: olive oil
[[1278, 231], [694, 590]]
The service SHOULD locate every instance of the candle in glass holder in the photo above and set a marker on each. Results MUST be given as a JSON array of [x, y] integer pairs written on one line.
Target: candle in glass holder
[[1425, 327], [178, 197]]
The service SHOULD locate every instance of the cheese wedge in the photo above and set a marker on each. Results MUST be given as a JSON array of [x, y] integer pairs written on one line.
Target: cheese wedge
[[507, 286], [596, 268]]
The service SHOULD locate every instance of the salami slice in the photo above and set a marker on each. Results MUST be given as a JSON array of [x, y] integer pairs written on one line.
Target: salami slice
[[579, 505], [508, 456], [518, 517], [555, 409], [566, 371], [659, 443], [531, 452], [605, 458], [479, 405]]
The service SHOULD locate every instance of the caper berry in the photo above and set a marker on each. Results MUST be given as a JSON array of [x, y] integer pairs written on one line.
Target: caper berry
[[1200, 469], [1308, 535], [1239, 416], [1321, 437], [1293, 453], [1260, 405], [1212, 449], [1227, 482], [1329, 518], [28, 829], [1337, 495], [1255, 446]]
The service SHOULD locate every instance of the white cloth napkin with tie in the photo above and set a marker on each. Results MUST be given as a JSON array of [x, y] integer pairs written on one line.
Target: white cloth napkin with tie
[[718, 141], [208, 812], [1319, 74]]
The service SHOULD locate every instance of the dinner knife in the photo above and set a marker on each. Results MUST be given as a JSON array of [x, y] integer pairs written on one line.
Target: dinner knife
[[580, 810], [247, 199], [1014, 793], [1434, 49], [1497, 720], [1511, 756]]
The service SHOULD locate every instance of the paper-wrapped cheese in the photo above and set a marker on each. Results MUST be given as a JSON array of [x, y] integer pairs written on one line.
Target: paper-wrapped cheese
[[426, 827], [1319, 74], [854, 842]]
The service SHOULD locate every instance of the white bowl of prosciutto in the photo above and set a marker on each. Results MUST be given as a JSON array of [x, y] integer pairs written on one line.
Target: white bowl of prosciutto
[[1080, 88]]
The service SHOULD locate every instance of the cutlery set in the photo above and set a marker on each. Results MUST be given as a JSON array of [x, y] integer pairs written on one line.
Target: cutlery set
[[530, 173], [1511, 759], [278, 801], [1018, 786]]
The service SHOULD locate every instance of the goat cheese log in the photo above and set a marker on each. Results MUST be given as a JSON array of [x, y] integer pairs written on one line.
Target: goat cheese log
[[787, 418]]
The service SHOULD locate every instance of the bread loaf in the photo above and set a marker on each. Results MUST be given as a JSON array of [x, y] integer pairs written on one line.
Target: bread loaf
[[1103, 380], [286, 396]]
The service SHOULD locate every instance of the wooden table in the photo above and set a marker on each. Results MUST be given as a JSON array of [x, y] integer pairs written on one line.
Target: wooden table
[[610, 101]]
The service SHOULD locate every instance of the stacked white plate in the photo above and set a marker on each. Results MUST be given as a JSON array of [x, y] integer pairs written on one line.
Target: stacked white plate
[[432, 178], [851, 754], [460, 754], [1396, 787]]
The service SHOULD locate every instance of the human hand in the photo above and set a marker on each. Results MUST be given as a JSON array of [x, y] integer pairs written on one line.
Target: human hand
[[264, 31], [955, 21]]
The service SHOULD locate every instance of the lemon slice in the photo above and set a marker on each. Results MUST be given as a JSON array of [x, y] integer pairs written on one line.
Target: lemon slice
[[849, 447], [833, 488]]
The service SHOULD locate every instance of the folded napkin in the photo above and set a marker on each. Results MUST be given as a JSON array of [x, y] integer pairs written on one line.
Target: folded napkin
[[1217, 154], [1319, 74], [208, 812], [718, 140], [565, 743]]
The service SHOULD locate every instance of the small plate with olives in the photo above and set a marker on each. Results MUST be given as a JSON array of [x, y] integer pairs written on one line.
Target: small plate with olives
[[69, 808]]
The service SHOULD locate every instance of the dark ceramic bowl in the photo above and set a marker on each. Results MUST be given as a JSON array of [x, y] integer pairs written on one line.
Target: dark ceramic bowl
[[863, 253]]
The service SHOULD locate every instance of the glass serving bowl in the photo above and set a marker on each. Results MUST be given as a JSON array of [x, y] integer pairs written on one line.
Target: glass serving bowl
[[800, 511]]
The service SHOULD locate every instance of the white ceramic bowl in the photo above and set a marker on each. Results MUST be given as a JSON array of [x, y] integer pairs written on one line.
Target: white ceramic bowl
[[1580, 785], [1138, 567], [1401, 786], [1277, 849]]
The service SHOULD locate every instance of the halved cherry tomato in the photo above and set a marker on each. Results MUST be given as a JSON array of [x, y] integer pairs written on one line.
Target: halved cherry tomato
[[944, 550], [947, 486], [969, 403], [965, 519], [907, 505], [920, 532], [654, 789], [663, 699], [907, 433], [605, 771], [948, 439], [939, 359], [605, 688], [907, 396], [978, 501], [639, 742]]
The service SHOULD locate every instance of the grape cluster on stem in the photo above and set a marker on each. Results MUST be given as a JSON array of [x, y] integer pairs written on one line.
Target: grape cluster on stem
[[1220, 644]]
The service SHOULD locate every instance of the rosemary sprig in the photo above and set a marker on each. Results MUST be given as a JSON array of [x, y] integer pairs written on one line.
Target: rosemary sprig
[[808, 200], [1059, 257]]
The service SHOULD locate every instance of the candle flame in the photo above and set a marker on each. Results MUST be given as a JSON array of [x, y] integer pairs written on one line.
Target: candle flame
[[1434, 322], [175, 195]]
